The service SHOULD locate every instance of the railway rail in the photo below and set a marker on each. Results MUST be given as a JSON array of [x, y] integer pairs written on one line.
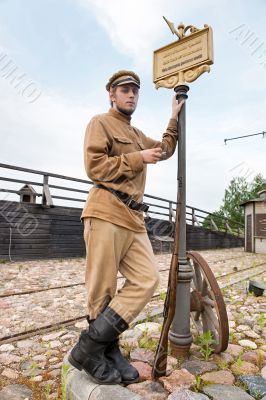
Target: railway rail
[[219, 277], [223, 281]]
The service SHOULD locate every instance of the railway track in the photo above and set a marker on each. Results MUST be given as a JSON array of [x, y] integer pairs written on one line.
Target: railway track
[[218, 277], [226, 280]]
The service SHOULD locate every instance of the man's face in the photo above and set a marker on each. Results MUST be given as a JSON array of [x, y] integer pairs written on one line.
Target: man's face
[[125, 98]]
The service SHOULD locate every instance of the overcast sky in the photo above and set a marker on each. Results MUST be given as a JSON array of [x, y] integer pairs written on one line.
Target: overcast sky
[[67, 49]]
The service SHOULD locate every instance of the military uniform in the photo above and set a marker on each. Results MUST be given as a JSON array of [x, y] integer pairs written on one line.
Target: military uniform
[[114, 231], [115, 235]]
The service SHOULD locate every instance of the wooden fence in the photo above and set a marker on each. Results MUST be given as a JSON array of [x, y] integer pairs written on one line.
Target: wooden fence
[[49, 225], [50, 194]]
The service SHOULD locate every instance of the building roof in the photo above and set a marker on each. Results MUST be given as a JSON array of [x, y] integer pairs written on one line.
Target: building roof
[[28, 188], [262, 197]]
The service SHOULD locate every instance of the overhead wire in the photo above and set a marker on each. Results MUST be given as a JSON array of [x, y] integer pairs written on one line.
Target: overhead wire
[[244, 136]]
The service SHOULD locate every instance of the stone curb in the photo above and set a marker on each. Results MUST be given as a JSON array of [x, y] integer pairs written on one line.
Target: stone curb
[[79, 386]]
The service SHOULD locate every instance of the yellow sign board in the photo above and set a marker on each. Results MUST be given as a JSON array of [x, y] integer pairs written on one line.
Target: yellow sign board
[[184, 59]]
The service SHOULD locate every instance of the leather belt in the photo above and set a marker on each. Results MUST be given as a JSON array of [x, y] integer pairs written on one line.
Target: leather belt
[[125, 198]]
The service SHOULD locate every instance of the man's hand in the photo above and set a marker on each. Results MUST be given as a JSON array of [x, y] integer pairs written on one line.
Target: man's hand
[[151, 156], [176, 107]]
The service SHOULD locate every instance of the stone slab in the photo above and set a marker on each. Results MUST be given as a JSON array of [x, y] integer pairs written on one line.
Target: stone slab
[[15, 392], [186, 394], [256, 384], [226, 392], [149, 390], [80, 387], [198, 367]]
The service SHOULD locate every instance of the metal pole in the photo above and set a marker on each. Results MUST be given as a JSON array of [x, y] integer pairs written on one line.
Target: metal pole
[[180, 336]]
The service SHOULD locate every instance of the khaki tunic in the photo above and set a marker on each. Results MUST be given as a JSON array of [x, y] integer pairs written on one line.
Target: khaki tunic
[[112, 158]]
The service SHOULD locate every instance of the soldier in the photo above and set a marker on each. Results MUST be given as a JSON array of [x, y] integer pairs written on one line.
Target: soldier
[[116, 155]]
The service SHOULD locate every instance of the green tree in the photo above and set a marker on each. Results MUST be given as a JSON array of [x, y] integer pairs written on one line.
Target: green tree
[[238, 191], [257, 185]]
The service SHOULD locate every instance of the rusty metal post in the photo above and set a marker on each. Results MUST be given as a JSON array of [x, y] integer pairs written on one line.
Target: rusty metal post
[[180, 336]]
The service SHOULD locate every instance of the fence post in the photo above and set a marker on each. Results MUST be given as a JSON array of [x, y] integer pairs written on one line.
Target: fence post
[[228, 227], [213, 224], [170, 211], [46, 195], [193, 216]]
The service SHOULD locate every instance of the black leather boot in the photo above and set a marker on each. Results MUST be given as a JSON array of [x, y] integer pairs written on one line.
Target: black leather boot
[[129, 374], [89, 353]]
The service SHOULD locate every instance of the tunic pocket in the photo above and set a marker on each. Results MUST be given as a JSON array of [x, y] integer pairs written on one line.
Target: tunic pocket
[[123, 145], [123, 140]]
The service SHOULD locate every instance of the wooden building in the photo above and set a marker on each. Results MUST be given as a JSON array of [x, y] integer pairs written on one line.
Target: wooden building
[[255, 224]]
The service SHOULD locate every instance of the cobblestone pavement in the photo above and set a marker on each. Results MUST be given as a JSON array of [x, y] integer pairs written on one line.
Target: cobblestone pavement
[[38, 359], [30, 311]]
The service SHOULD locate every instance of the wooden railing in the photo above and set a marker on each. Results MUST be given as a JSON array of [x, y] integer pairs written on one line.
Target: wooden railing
[[50, 193]]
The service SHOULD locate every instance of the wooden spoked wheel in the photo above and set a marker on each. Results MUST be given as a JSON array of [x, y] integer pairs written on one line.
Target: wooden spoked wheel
[[207, 311]]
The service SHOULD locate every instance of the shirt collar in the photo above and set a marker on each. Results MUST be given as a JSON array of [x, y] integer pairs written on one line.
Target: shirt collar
[[122, 117]]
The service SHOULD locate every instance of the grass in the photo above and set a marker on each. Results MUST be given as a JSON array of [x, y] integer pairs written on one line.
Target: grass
[[65, 371], [261, 319], [233, 338], [147, 343], [162, 296], [42, 390], [242, 385], [179, 362], [47, 391], [236, 367], [199, 384], [206, 342], [33, 369], [149, 317], [240, 316], [222, 364], [127, 349], [239, 362], [260, 358], [257, 394], [49, 351]]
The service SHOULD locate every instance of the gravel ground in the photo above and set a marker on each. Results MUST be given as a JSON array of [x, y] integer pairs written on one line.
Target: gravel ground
[[36, 361]]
